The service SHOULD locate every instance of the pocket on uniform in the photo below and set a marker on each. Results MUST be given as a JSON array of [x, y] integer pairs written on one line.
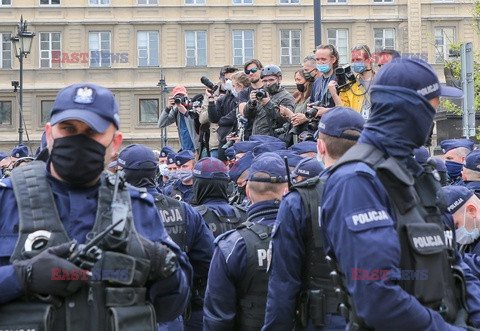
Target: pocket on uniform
[[132, 318]]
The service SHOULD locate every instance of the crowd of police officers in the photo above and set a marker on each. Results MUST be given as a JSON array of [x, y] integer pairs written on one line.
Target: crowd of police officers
[[357, 228]]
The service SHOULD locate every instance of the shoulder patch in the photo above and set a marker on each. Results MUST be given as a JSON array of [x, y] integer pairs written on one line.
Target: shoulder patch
[[144, 196], [5, 183], [368, 219], [363, 168]]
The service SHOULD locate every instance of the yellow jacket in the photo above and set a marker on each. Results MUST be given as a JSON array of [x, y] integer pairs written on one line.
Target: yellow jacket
[[349, 99]]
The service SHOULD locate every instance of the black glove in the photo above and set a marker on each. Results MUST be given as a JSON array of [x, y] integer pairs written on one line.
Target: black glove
[[163, 261], [46, 273]]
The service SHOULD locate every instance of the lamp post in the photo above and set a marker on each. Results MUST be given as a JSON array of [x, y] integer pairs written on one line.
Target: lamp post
[[22, 43], [163, 92]]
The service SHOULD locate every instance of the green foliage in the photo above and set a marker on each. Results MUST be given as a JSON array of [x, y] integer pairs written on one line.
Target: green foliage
[[451, 107]]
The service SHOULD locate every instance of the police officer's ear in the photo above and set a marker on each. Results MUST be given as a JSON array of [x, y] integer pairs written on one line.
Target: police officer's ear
[[247, 192], [116, 142], [471, 210], [321, 147], [48, 136]]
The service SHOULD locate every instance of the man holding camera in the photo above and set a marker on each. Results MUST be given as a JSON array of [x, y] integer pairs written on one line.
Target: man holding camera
[[263, 106], [327, 61], [176, 111]]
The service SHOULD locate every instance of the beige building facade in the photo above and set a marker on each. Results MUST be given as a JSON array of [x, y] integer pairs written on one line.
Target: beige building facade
[[127, 45]]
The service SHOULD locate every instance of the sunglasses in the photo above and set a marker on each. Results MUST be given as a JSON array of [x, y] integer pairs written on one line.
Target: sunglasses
[[253, 70]]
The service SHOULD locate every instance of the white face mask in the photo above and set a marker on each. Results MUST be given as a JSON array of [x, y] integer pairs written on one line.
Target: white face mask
[[463, 236], [235, 93], [319, 159], [227, 86]]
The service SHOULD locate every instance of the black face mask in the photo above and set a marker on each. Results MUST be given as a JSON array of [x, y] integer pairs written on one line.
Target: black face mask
[[242, 190], [78, 160], [301, 87]]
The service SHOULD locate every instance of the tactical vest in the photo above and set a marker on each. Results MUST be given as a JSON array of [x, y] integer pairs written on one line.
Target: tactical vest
[[173, 216], [317, 297], [118, 303], [252, 293], [217, 223], [421, 236]]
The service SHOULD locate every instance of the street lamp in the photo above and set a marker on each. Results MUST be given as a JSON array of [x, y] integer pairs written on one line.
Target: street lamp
[[164, 91], [22, 43]]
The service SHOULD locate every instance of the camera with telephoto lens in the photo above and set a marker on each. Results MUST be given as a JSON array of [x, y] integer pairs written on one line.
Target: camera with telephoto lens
[[312, 112], [260, 94], [230, 143], [181, 100], [285, 128], [345, 78]]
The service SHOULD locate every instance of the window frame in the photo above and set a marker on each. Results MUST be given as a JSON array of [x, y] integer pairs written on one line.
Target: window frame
[[347, 54], [50, 50], [41, 111], [243, 49], [196, 32], [446, 42], [337, 2], [100, 50], [147, 4], [242, 3], [195, 3], [50, 3], [375, 50], [148, 49], [11, 124], [2, 5], [140, 99], [99, 4], [290, 47], [288, 2], [2, 50]]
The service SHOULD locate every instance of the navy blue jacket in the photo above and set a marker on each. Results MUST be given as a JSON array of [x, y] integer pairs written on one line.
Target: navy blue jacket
[[186, 190], [473, 185], [288, 251], [77, 210], [227, 270]]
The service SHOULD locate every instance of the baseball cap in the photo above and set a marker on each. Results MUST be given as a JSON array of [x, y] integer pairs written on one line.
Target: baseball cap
[[86, 102], [19, 151], [179, 89], [137, 157], [245, 146], [210, 168], [264, 139], [3, 155], [421, 154], [270, 164], [183, 157], [308, 167], [165, 151], [304, 147], [440, 164], [268, 147], [339, 119], [472, 161], [292, 157], [414, 74], [230, 153], [450, 144], [456, 197], [171, 158], [240, 166]]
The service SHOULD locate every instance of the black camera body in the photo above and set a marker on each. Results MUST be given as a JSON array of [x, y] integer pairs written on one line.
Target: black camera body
[[312, 112], [260, 94], [181, 100], [345, 77], [285, 128]]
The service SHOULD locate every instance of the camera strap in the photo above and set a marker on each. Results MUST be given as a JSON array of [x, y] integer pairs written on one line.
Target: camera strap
[[324, 90]]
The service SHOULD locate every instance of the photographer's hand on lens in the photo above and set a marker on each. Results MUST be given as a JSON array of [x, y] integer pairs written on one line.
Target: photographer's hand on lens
[[182, 109], [298, 119], [320, 110], [266, 99], [37, 274], [163, 261], [171, 103], [285, 112]]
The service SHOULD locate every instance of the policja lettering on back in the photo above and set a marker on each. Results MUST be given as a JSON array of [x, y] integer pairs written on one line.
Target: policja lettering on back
[[371, 216]]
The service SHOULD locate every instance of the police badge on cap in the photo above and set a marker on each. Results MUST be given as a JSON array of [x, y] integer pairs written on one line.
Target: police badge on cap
[[85, 95]]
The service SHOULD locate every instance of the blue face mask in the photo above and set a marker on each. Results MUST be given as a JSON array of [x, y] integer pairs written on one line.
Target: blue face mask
[[358, 67], [454, 169], [462, 235], [324, 68]]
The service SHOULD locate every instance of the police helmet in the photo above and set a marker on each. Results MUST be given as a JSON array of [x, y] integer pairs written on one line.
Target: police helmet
[[271, 70]]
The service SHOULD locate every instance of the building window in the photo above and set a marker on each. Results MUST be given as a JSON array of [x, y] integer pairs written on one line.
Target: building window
[[147, 48], [242, 46], [384, 39], [49, 2], [98, 2], [99, 43], [339, 39], [382, 1], [196, 48], [242, 2], [194, 2], [6, 3], [336, 1], [289, 2], [46, 108], [5, 112], [290, 46], [444, 37], [147, 2], [50, 49], [148, 110], [6, 51]]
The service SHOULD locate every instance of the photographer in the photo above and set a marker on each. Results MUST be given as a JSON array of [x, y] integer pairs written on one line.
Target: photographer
[[263, 106], [218, 110], [356, 94], [327, 61], [176, 112]]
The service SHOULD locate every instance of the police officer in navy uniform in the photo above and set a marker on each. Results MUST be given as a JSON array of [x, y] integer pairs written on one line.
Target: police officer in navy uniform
[[237, 284], [210, 190], [162, 163], [37, 251], [182, 222], [455, 151], [182, 186], [238, 174], [471, 172], [377, 188], [295, 285]]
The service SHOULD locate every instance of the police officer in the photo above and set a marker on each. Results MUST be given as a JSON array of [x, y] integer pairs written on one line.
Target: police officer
[[305, 148], [181, 188], [237, 284], [162, 166], [455, 151], [305, 169], [210, 185], [243, 147], [238, 174], [293, 281], [182, 222], [471, 172], [36, 259], [363, 208]]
